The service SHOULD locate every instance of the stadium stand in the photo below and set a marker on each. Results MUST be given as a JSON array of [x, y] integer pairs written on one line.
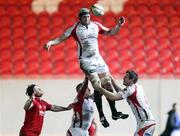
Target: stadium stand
[[148, 42]]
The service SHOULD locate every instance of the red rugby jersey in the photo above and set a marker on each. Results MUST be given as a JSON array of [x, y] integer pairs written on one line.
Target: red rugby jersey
[[35, 115]]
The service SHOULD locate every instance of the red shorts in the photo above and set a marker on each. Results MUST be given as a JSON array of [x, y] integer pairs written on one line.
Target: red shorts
[[92, 130]]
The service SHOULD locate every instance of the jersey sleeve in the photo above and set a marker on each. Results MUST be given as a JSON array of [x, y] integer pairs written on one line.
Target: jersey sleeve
[[102, 29], [69, 31], [47, 105]]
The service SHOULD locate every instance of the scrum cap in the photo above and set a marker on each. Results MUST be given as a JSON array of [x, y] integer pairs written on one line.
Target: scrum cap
[[83, 11]]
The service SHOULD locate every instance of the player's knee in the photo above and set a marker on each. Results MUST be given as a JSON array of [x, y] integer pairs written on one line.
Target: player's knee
[[94, 80], [106, 81]]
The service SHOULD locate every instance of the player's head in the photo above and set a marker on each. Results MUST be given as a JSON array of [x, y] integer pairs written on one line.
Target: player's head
[[79, 87], [174, 106], [34, 90], [130, 78], [84, 16]]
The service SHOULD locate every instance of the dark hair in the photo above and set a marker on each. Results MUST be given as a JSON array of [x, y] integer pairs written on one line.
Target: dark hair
[[132, 75], [78, 86], [83, 11], [30, 90]]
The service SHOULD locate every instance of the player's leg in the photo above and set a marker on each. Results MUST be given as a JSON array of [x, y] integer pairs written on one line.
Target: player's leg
[[89, 67], [103, 72], [98, 101]]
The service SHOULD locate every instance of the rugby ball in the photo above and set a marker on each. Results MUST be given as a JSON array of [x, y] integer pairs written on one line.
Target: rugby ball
[[97, 9]]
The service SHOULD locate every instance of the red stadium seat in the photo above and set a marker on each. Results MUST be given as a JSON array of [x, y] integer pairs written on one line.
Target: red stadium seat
[[137, 43], [124, 32], [13, 10], [148, 21], [46, 68], [124, 43], [143, 9], [73, 68], [45, 56], [59, 68], [32, 68], [111, 44], [150, 43], [125, 55], [177, 69], [167, 68], [136, 32], [30, 21], [19, 68], [31, 32], [18, 44], [164, 43], [114, 67], [5, 55], [26, 9], [6, 68], [56, 32], [5, 32], [5, 21], [31, 44], [169, 8], [18, 21], [153, 68], [58, 55], [176, 56], [140, 67], [135, 21], [162, 32], [149, 32], [161, 21], [174, 21], [174, 32], [70, 44], [124, 66], [165, 55], [112, 55], [43, 19], [175, 44], [56, 20], [152, 55], [72, 55], [3, 11], [156, 8], [44, 32], [18, 55], [138, 55], [130, 9], [18, 32], [6, 43], [31, 56]]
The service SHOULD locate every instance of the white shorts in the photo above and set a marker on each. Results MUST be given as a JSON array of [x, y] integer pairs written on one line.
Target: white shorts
[[146, 128], [94, 65], [77, 132]]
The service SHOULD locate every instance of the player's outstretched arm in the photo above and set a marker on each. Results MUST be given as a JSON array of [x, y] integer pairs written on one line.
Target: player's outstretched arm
[[116, 29], [56, 108], [116, 87], [110, 95], [55, 41]]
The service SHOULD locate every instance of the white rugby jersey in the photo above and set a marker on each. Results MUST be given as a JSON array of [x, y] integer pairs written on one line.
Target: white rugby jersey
[[137, 101], [83, 114], [86, 38]]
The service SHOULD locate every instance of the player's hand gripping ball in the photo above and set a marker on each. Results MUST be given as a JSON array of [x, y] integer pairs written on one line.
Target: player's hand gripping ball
[[97, 9]]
